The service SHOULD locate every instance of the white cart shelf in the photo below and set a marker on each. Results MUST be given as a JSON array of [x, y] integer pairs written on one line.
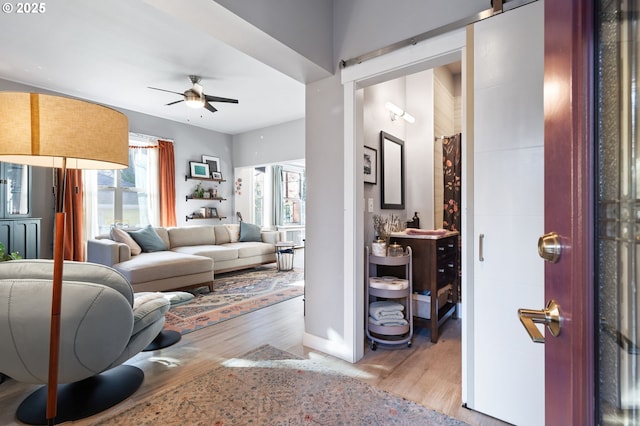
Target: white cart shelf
[[396, 334]]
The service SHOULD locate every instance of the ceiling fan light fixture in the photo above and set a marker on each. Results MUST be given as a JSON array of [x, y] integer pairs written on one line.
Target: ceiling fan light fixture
[[193, 99]]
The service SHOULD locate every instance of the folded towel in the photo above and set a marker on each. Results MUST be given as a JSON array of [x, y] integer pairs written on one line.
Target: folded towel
[[388, 322], [383, 308], [387, 315], [388, 283], [386, 306]]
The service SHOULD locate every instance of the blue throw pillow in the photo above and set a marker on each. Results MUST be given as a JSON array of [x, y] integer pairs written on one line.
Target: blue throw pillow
[[148, 239], [249, 232]]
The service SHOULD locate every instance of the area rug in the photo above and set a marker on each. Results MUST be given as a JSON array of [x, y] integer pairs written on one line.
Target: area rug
[[235, 294], [271, 387]]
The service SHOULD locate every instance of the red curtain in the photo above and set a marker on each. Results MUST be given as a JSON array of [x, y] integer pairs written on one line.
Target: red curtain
[[167, 184], [73, 207]]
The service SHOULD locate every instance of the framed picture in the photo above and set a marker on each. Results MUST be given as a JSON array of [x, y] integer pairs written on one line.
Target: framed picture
[[370, 165], [199, 170], [213, 162], [216, 175], [212, 212]]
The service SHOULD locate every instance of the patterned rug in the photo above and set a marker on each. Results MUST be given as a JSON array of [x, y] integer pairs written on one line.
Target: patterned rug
[[235, 294], [271, 387]]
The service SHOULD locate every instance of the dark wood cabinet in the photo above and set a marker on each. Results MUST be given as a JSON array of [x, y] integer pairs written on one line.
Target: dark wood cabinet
[[435, 270], [21, 235], [18, 231]]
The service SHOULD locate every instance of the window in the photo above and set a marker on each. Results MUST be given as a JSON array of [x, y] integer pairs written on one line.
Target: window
[[258, 195], [127, 197], [292, 197]]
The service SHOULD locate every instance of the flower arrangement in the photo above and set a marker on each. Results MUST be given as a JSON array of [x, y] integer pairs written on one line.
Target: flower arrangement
[[385, 225]]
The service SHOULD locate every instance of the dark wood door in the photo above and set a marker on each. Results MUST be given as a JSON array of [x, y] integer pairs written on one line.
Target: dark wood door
[[569, 200]]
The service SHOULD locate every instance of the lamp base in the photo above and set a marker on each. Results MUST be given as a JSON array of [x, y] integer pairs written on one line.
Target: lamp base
[[164, 339], [83, 399]]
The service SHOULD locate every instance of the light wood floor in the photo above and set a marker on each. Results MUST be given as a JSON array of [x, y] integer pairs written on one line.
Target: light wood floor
[[426, 373]]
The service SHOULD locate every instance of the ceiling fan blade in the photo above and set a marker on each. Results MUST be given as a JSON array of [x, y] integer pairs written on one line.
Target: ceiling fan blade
[[210, 98], [210, 107], [164, 90], [175, 102]]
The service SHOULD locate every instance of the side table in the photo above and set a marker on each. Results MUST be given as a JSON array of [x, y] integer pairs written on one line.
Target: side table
[[284, 255]]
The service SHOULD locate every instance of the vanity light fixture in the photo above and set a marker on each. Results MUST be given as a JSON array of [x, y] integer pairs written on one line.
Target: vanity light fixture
[[398, 112]]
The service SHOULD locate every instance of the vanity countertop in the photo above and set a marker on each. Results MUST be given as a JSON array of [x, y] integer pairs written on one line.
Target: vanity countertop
[[426, 234]]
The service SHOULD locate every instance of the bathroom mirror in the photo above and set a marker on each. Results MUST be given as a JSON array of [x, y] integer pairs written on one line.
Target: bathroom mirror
[[392, 172]]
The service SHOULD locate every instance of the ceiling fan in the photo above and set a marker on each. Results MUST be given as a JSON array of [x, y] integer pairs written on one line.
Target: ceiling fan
[[196, 98]]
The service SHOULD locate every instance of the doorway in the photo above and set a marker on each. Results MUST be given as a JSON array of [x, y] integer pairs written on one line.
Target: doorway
[[445, 49]]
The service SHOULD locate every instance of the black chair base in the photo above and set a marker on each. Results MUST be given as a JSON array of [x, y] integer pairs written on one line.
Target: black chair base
[[164, 339], [83, 399]]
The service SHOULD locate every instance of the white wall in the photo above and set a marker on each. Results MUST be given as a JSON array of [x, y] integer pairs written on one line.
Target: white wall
[[310, 18], [420, 184], [243, 193], [376, 119], [324, 251], [361, 26], [275, 144]]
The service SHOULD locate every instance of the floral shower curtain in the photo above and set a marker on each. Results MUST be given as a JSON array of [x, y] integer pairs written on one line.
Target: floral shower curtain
[[452, 169]]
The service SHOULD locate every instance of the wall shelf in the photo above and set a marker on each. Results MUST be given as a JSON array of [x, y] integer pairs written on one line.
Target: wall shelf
[[191, 197], [188, 218], [187, 177]]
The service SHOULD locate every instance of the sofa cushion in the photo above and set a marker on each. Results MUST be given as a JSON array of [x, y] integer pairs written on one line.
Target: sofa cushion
[[148, 239], [191, 236], [216, 252], [222, 235], [234, 232], [249, 232], [121, 236], [250, 249], [161, 265], [164, 236]]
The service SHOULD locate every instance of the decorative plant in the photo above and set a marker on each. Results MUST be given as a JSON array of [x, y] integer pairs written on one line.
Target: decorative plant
[[8, 256], [385, 225], [199, 191]]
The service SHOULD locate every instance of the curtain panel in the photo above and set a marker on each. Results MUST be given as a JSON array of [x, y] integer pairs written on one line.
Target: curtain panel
[[452, 171], [167, 183]]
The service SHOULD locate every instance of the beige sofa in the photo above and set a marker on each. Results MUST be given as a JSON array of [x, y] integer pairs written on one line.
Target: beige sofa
[[192, 256]]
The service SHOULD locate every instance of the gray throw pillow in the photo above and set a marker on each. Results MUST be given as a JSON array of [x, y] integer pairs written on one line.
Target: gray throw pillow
[[148, 239], [249, 232]]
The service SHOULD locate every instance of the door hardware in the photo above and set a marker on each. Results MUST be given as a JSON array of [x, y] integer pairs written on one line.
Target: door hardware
[[481, 248], [549, 247], [550, 316]]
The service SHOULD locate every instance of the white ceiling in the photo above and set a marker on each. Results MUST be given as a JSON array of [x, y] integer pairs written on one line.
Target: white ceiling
[[111, 51]]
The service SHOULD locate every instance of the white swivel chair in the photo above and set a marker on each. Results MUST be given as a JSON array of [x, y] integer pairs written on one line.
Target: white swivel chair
[[100, 329]]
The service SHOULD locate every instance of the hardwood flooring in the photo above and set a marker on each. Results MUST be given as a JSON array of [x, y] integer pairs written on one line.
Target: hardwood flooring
[[426, 373]]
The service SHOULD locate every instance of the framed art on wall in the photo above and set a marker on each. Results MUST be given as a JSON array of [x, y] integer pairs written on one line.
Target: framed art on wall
[[370, 165], [199, 170], [213, 162]]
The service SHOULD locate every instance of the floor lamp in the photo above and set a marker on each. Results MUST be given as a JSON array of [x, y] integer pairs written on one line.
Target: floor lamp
[[53, 131]]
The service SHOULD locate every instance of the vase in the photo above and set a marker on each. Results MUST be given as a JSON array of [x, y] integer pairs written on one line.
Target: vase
[[379, 248]]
